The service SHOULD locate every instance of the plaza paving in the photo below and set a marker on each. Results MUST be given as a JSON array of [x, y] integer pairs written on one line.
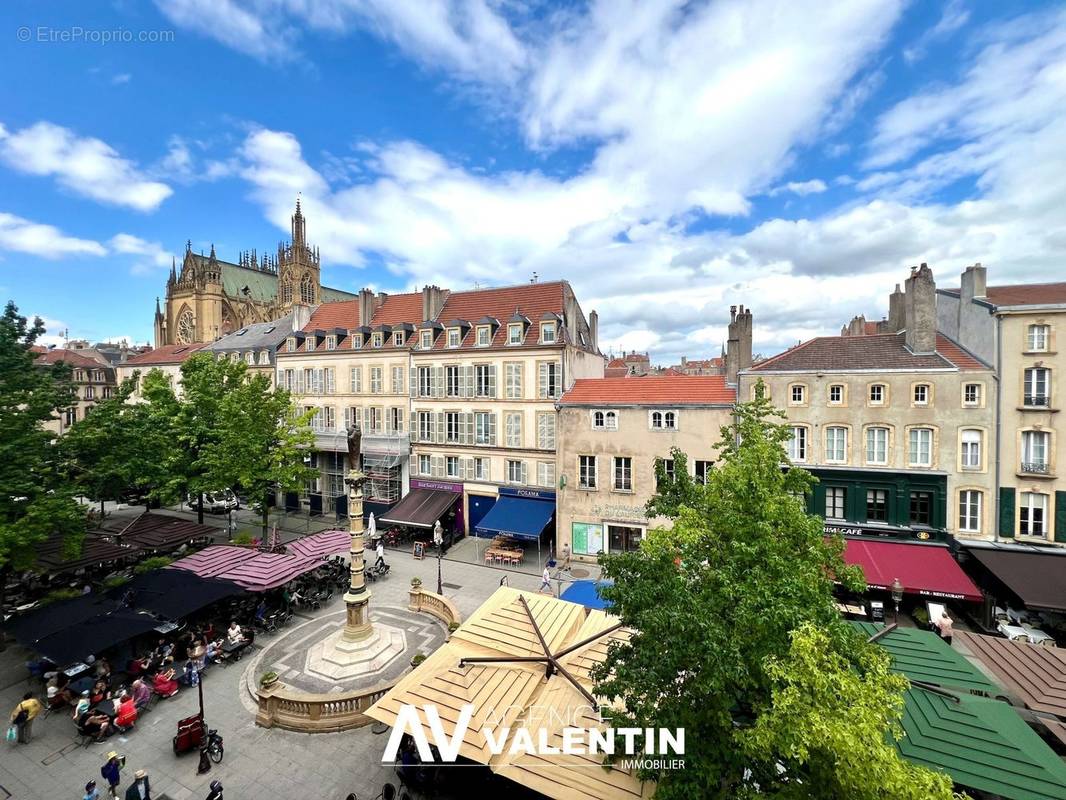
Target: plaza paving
[[259, 763]]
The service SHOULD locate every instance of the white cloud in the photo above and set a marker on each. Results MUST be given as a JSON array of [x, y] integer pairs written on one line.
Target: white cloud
[[954, 17], [43, 241], [121, 78], [813, 186], [86, 166], [152, 256], [235, 26], [185, 163]]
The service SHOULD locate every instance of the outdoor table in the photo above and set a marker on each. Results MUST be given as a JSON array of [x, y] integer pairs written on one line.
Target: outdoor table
[[75, 669], [166, 627], [1037, 636], [1013, 632], [108, 708]]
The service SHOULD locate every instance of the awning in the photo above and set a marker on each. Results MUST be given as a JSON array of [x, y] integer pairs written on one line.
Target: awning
[[271, 570], [94, 635], [924, 570], [161, 532], [173, 593], [1036, 578], [1036, 674], [321, 544], [421, 508], [58, 616], [214, 561], [521, 517], [585, 593]]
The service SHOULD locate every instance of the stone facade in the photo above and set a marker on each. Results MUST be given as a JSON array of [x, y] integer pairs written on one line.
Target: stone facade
[[93, 378]]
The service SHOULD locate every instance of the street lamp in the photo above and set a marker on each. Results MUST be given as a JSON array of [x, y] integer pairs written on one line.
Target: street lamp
[[897, 596], [438, 539]]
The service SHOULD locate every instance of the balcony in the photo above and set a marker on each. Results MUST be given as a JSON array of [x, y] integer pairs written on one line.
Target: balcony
[[1040, 469], [1037, 400]]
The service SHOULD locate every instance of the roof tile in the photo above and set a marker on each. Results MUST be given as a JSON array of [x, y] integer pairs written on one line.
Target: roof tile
[[168, 354], [652, 390], [882, 351]]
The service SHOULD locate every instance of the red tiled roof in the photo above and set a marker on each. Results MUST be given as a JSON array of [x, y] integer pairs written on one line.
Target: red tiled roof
[[71, 357], [881, 351], [399, 308], [615, 372], [532, 300], [652, 390], [616, 363], [1025, 294], [342, 314], [167, 354], [870, 328]]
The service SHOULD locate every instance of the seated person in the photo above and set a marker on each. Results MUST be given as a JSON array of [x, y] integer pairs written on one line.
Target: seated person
[[126, 713], [212, 652], [136, 666], [142, 695], [234, 634], [164, 684], [99, 692], [82, 705], [95, 724], [58, 690], [164, 651], [190, 675], [103, 668]]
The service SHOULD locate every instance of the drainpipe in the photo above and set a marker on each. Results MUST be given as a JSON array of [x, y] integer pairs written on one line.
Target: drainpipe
[[999, 416]]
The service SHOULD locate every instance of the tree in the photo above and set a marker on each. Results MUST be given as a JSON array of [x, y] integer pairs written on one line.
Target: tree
[[35, 503], [714, 600], [262, 442]]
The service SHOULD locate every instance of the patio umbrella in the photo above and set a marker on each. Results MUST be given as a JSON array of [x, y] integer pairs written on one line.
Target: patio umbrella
[[372, 527]]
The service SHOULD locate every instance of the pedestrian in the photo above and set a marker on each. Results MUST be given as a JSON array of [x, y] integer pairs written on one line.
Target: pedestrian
[[91, 792], [565, 556], [216, 791], [23, 716], [110, 772], [945, 626], [545, 580], [141, 788]]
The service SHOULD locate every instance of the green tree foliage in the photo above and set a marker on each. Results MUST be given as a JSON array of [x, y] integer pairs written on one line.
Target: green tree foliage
[[35, 502], [715, 600]]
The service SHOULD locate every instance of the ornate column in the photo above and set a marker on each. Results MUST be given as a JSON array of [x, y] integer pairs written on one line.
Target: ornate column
[[357, 598]]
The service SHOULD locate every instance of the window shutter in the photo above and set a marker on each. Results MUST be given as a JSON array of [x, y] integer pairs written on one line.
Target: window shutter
[[437, 465], [492, 380], [492, 428], [438, 381], [1060, 516], [522, 474], [413, 385], [414, 426], [441, 430], [468, 427], [466, 468], [1006, 512], [467, 380], [542, 380]]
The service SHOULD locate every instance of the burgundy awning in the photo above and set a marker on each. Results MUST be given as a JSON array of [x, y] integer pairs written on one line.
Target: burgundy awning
[[924, 570]]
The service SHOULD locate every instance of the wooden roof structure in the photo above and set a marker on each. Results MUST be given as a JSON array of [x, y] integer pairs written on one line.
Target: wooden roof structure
[[538, 653], [1035, 674]]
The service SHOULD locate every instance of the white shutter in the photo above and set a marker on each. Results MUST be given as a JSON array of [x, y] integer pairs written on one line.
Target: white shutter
[[438, 381], [331, 386], [492, 380], [440, 429], [492, 428], [523, 472], [542, 380], [468, 427], [414, 426], [413, 385]]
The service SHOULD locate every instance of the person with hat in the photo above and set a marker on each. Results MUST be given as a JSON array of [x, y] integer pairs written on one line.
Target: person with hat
[[91, 792], [216, 791], [140, 789], [110, 773]]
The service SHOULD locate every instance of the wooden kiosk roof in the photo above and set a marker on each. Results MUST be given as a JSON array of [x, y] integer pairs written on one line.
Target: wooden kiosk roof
[[1034, 673], [518, 694]]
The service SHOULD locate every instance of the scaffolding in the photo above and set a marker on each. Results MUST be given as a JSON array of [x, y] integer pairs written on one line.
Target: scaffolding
[[383, 457]]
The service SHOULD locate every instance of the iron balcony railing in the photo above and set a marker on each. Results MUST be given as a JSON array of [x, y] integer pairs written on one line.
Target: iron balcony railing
[[1037, 400], [1036, 467]]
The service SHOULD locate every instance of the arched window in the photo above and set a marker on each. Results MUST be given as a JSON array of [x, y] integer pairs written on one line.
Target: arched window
[[597, 419], [656, 419], [186, 327], [611, 421], [285, 292], [669, 420], [307, 290]]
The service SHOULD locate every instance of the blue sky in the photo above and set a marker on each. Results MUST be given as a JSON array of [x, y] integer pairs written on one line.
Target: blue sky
[[669, 159]]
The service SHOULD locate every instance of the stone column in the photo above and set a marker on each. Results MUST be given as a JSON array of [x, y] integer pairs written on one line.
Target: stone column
[[357, 598]]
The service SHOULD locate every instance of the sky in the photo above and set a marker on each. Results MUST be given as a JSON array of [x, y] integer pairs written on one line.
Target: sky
[[669, 159]]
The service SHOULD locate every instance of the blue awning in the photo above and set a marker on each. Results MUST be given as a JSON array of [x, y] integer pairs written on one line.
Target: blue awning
[[521, 517], [585, 593]]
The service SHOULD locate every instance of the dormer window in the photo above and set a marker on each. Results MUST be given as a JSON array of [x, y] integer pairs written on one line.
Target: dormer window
[[331, 342], [290, 344], [309, 345], [514, 333], [454, 337], [427, 340], [377, 339], [234, 357], [264, 358], [357, 341], [547, 332], [249, 358], [397, 338], [484, 336]]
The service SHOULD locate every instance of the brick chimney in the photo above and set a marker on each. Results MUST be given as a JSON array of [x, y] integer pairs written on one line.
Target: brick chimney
[[974, 283], [366, 306], [594, 330], [896, 315], [432, 302], [857, 326], [920, 310], [738, 346]]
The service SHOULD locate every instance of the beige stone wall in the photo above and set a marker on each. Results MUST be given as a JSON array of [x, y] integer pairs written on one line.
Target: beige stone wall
[[171, 371], [91, 386], [945, 412], [698, 430]]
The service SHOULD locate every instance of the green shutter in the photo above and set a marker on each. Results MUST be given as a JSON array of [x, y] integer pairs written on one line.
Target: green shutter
[[1060, 516], [1006, 512]]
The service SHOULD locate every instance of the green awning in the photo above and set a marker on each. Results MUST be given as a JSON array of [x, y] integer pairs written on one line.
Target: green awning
[[924, 656], [982, 744]]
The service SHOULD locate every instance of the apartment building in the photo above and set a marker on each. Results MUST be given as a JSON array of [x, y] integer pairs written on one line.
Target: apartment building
[[167, 359], [486, 372], [93, 380], [897, 426], [349, 364], [1016, 328], [612, 431], [257, 344]]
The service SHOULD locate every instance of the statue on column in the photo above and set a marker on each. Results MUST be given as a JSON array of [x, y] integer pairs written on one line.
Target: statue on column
[[354, 478]]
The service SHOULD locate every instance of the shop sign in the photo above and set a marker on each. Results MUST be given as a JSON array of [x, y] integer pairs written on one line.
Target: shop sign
[[880, 533], [533, 494], [440, 486], [611, 511]]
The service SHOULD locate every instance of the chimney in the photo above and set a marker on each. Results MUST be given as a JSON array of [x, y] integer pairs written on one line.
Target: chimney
[[366, 306], [974, 280], [432, 302], [745, 330], [857, 326], [594, 330], [896, 315], [738, 346], [301, 315], [920, 310]]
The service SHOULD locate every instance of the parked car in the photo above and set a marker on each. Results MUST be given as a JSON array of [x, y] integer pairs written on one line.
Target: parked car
[[217, 502]]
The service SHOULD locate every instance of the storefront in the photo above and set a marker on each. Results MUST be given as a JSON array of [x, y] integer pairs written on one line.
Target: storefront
[[926, 571], [527, 515], [421, 508], [616, 529], [480, 498]]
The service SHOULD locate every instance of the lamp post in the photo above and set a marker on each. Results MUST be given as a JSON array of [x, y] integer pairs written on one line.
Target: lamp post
[[897, 596], [438, 539]]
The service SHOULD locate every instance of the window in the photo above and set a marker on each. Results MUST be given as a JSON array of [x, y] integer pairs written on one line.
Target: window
[[549, 383], [485, 380], [331, 342], [971, 394], [516, 471], [1038, 338], [451, 466], [451, 381], [836, 444], [454, 337], [1035, 451], [546, 473], [835, 502], [668, 469], [249, 358], [703, 470], [481, 468], [375, 380], [355, 380], [307, 290], [70, 416], [424, 466], [425, 381], [374, 420], [514, 333], [90, 393], [623, 474], [513, 422], [877, 394], [309, 343], [108, 392], [513, 378], [290, 345], [586, 472], [453, 426], [396, 420], [971, 449], [1032, 514], [970, 510], [357, 341], [598, 421], [663, 420], [546, 430], [876, 505], [484, 336], [1036, 386], [547, 332], [397, 380], [877, 445], [377, 339], [329, 383], [797, 394], [797, 445], [921, 508], [264, 358], [484, 427], [920, 451], [921, 394], [610, 421], [836, 394], [426, 428], [427, 340], [397, 338]]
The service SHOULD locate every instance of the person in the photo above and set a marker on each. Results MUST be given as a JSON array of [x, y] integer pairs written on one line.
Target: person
[[261, 611], [545, 580], [142, 695], [141, 788], [211, 654], [99, 693], [216, 791], [234, 633], [164, 652], [565, 560], [944, 624], [381, 554], [503, 581], [24, 715], [91, 792], [82, 705], [190, 675], [95, 724], [110, 772], [164, 684], [103, 669], [126, 713]]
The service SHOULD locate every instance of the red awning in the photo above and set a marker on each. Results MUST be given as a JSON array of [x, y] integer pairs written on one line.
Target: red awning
[[922, 569]]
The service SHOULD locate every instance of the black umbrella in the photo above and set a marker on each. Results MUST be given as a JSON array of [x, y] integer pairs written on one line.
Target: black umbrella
[[173, 593]]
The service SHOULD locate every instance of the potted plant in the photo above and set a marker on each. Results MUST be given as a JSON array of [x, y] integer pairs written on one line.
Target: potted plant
[[416, 582], [268, 679], [453, 627], [418, 659]]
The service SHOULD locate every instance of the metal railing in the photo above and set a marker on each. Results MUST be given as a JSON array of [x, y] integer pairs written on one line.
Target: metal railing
[[1040, 400], [1036, 467]]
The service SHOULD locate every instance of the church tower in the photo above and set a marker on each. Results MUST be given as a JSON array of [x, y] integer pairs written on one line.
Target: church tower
[[299, 274]]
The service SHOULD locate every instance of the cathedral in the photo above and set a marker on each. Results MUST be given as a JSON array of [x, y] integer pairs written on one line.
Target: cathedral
[[209, 297]]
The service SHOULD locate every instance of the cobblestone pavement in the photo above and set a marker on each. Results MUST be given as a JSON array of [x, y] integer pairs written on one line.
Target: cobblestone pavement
[[258, 763]]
